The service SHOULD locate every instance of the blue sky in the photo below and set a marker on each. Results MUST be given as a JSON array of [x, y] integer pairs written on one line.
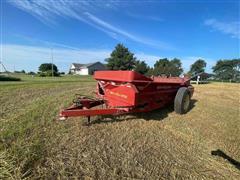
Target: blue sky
[[87, 31]]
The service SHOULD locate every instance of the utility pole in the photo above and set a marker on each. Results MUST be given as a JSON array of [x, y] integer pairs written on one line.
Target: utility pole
[[3, 68], [52, 60]]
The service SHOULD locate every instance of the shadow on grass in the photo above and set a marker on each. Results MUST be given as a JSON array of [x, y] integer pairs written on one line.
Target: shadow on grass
[[220, 153], [157, 115], [192, 104]]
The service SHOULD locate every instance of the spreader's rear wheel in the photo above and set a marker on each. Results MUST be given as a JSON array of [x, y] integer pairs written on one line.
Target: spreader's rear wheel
[[182, 101]]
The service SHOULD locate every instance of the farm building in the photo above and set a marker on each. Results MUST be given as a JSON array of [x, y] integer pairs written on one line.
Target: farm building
[[86, 69]]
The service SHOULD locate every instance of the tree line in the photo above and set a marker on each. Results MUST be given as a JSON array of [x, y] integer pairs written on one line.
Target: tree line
[[44, 70], [122, 59]]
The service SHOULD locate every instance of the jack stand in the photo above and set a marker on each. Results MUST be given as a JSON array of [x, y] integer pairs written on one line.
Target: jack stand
[[88, 120]]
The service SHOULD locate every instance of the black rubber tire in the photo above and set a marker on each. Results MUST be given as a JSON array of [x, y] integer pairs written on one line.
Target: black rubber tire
[[181, 106]]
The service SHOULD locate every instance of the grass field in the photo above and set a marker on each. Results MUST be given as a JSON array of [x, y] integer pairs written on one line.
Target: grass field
[[154, 145]]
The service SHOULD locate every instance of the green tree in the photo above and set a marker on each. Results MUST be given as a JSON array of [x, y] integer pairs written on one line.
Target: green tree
[[150, 72], [141, 67], [198, 67], [46, 69], [168, 67], [176, 67], [121, 59], [227, 69], [31, 73]]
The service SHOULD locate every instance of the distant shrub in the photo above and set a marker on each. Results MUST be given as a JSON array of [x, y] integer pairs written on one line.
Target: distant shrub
[[42, 75], [48, 73], [9, 78], [22, 71], [47, 68], [31, 73], [225, 81]]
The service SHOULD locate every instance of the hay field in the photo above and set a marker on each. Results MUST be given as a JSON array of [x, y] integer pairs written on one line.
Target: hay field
[[155, 145]]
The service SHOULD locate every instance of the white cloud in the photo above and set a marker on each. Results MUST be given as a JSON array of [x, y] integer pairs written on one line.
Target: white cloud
[[30, 57], [48, 44], [150, 59], [48, 10], [231, 28], [108, 28], [189, 60]]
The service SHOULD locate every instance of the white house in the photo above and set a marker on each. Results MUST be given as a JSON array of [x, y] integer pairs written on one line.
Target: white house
[[86, 69]]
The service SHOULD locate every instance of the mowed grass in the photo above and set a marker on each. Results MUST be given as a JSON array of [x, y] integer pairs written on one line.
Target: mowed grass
[[154, 145]]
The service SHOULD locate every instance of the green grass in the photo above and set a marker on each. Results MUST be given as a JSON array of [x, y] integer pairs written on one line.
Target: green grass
[[154, 145]]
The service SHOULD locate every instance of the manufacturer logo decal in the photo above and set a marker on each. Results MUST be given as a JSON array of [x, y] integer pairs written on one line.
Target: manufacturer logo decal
[[119, 95]]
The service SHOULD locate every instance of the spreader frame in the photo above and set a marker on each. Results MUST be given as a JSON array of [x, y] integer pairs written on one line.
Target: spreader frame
[[122, 92]]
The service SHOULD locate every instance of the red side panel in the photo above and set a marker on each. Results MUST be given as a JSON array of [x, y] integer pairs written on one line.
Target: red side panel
[[120, 95], [121, 76], [134, 77]]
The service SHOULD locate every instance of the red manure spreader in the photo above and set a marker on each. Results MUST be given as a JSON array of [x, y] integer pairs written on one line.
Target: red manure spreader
[[122, 92]]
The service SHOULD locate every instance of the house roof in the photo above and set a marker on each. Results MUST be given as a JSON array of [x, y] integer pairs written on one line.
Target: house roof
[[77, 65]]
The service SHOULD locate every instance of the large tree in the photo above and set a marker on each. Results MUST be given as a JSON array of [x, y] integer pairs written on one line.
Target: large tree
[[198, 67], [47, 68], [121, 59], [168, 67], [227, 69], [141, 67], [176, 68]]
